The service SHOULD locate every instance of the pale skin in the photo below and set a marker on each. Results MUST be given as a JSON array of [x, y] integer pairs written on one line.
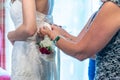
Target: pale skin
[[101, 30], [28, 27]]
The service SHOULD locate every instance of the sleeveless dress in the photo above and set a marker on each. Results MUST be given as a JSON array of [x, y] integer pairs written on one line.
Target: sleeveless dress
[[27, 63], [108, 59]]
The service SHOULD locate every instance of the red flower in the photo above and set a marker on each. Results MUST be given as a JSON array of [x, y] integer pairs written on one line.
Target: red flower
[[44, 50]]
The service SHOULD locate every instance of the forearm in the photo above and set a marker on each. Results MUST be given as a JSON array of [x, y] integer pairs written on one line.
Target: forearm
[[65, 45], [28, 27], [74, 49], [20, 34], [68, 36]]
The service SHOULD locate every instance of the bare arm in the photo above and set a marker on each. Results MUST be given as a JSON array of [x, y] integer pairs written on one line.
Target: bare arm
[[66, 34], [28, 27], [74, 38], [86, 28], [102, 29]]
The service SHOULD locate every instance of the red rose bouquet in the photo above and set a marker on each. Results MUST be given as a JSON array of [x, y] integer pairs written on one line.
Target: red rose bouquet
[[46, 48]]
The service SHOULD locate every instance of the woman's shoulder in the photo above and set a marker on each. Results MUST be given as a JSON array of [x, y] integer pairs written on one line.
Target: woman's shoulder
[[110, 15], [113, 7], [117, 2], [110, 7]]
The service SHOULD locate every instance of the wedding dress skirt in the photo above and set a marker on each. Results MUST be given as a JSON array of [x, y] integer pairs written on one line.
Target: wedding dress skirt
[[27, 63]]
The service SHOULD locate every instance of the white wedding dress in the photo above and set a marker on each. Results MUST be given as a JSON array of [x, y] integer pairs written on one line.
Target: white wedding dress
[[27, 63]]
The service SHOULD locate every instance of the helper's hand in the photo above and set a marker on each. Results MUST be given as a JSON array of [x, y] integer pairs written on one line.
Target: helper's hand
[[52, 33]]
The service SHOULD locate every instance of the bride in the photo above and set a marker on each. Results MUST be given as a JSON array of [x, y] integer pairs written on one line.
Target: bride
[[27, 63]]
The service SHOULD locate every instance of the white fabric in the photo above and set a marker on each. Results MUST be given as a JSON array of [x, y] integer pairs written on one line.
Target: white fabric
[[26, 61]]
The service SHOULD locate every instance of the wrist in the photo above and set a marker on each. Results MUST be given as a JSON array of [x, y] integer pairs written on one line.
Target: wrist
[[56, 39], [53, 36]]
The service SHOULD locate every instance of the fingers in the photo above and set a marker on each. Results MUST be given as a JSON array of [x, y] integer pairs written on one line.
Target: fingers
[[44, 30], [57, 25], [40, 33], [47, 25]]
